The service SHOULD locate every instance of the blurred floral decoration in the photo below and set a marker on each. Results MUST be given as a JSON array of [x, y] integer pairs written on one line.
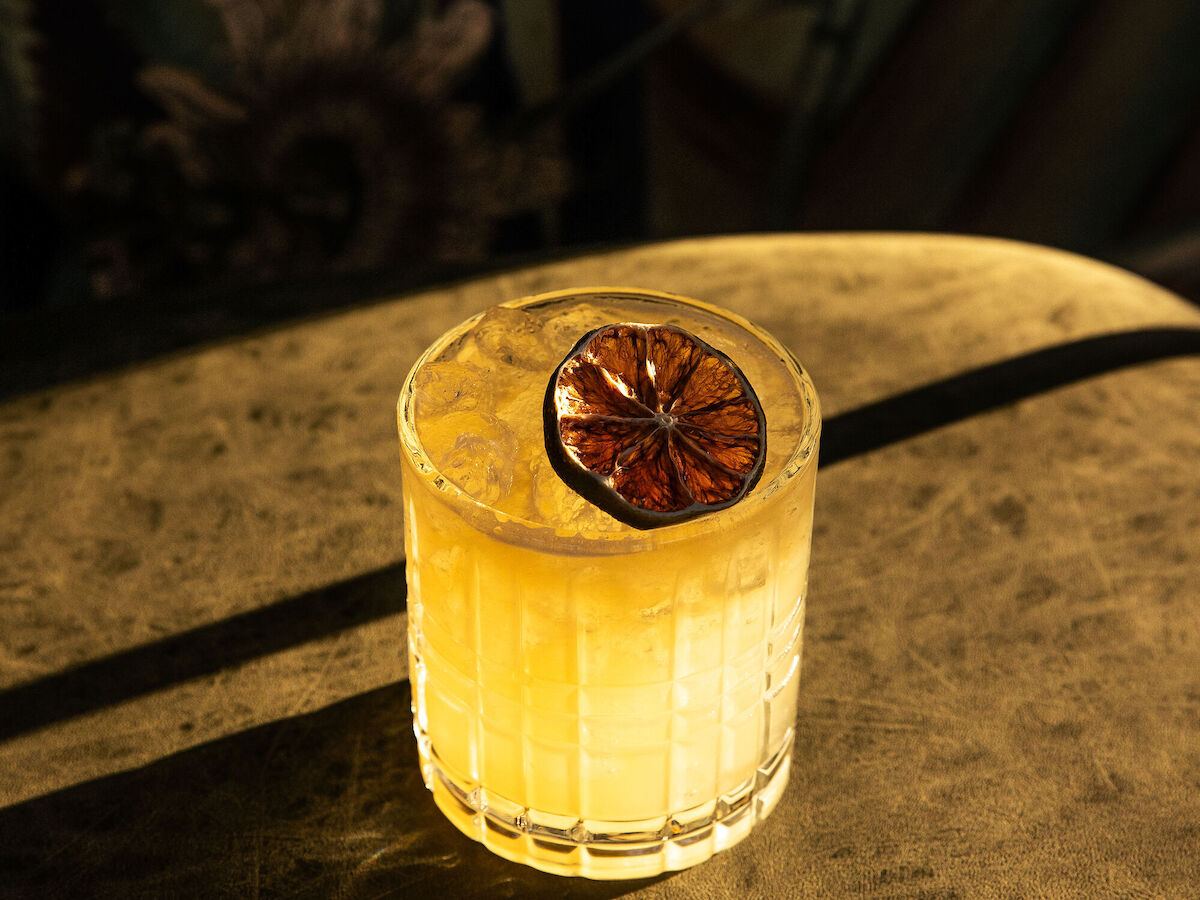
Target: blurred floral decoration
[[328, 148], [18, 82]]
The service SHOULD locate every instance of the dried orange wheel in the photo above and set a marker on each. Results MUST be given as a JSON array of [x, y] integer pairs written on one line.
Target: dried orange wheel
[[653, 425]]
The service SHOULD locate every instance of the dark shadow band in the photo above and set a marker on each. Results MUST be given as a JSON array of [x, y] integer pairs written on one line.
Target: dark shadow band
[[203, 651], [903, 416]]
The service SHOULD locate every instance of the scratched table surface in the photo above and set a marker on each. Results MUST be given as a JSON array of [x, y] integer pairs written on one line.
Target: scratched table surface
[[202, 678]]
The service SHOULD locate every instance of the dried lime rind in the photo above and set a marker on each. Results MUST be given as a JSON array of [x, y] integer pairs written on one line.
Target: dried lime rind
[[653, 425]]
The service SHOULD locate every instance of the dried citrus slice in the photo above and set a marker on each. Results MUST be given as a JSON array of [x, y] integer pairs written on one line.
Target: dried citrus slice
[[653, 425]]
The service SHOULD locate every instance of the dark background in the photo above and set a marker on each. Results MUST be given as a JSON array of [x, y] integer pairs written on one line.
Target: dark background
[[171, 172]]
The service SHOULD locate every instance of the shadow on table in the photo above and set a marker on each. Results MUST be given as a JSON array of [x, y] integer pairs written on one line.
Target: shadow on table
[[204, 650], [326, 804]]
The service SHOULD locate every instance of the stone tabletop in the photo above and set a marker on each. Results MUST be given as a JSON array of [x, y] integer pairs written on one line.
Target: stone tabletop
[[202, 676]]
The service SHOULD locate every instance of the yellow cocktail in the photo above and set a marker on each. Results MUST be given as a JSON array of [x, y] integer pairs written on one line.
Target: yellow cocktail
[[592, 699]]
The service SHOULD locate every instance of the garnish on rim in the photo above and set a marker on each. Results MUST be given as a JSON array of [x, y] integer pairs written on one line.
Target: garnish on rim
[[653, 425]]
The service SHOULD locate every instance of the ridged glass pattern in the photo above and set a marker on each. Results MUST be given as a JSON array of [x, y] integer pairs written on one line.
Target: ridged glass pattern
[[612, 716]]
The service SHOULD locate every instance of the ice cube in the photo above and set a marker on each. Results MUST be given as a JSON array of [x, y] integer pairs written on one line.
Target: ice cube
[[523, 411], [473, 449], [448, 385], [749, 565], [515, 337], [563, 332], [480, 467], [553, 503]]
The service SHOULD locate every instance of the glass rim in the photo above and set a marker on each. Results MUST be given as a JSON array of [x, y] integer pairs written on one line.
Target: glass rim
[[528, 531]]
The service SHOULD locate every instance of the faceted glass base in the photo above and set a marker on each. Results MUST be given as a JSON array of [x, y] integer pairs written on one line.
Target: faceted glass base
[[605, 850]]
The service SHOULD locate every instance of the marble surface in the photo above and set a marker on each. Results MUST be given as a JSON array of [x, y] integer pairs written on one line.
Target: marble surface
[[202, 625]]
